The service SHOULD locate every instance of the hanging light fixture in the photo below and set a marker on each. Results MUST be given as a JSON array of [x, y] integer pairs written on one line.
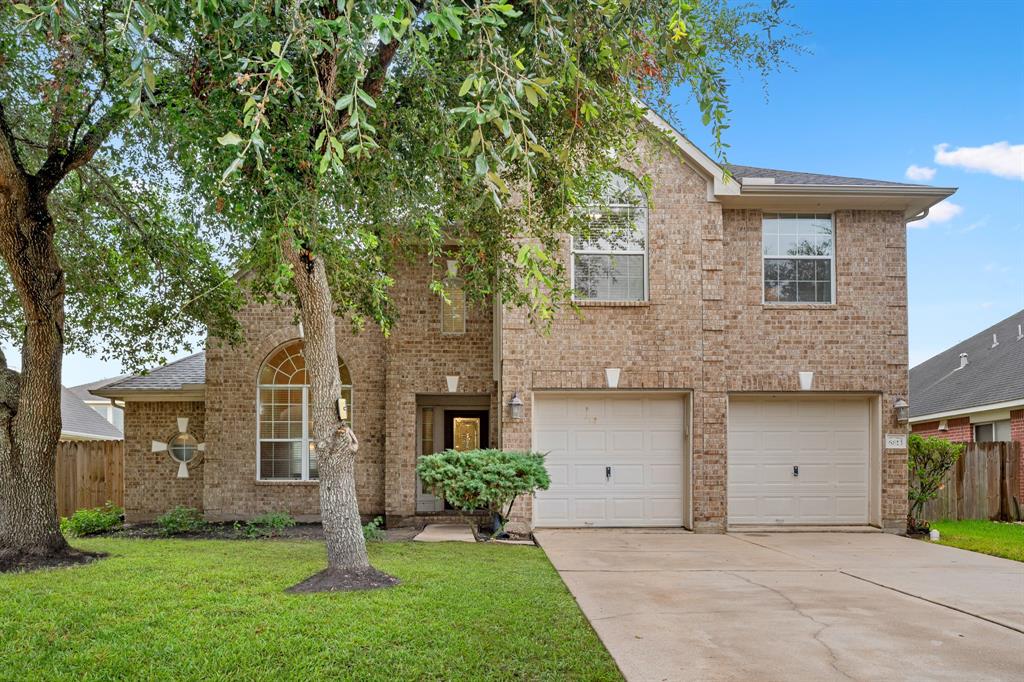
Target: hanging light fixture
[[516, 407], [902, 410]]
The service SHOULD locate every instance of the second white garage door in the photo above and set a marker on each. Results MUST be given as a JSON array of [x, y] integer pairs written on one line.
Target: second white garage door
[[798, 461], [614, 460]]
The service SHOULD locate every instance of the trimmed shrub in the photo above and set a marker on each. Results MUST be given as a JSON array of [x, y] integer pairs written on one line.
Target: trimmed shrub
[[92, 521], [373, 531], [484, 479], [181, 520], [265, 525], [928, 460]]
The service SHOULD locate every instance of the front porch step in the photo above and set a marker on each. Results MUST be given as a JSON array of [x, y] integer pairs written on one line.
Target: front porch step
[[445, 532]]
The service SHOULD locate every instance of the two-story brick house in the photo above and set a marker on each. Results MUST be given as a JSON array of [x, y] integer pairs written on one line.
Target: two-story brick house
[[737, 362]]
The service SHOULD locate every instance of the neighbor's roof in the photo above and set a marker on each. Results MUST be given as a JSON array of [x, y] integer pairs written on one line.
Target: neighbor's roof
[[783, 177], [993, 375], [84, 392], [78, 420], [184, 374]]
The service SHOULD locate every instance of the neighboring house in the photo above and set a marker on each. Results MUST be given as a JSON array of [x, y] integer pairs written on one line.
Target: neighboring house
[[80, 422], [674, 400], [111, 410], [974, 390]]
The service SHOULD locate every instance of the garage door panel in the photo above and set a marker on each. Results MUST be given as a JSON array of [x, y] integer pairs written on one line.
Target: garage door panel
[[558, 473], [666, 475], [546, 440], [640, 437], [591, 509], [827, 438], [594, 441]]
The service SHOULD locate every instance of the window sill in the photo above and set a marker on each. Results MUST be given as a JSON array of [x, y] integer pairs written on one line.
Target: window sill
[[287, 483], [612, 304], [800, 306]]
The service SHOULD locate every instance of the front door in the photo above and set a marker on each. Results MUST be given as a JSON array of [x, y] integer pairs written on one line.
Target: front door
[[441, 429]]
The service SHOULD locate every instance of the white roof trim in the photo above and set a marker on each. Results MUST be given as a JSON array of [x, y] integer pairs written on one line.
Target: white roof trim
[[78, 435], [718, 184], [934, 416]]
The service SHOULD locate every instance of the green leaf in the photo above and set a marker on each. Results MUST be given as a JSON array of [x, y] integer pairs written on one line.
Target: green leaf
[[275, 47], [343, 102], [365, 97], [229, 139], [467, 84], [481, 164]]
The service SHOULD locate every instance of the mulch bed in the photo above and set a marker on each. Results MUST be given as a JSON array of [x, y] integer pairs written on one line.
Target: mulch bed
[[21, 563], [330, 580], [227, 531]]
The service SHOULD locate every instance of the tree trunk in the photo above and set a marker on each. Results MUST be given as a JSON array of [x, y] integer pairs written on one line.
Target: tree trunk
[[336, 444], [30, 420]]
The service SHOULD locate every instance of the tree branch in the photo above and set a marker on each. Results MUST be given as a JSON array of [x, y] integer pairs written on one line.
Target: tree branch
[[57, 166], [10, 160]]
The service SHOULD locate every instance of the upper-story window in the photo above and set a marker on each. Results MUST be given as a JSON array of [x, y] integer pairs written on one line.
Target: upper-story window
[[799, 262], [453, 303], [610, 262]]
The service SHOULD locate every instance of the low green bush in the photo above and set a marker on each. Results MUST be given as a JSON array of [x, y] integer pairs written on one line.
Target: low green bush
[[373, 531], [484, 479], [265, 525], [181, 520], [92, 521], [928, 460]]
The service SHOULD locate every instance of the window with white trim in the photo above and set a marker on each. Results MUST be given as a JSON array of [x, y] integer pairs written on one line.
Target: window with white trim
[[609, 262], [285, 451], [994, 431], [798, 256]]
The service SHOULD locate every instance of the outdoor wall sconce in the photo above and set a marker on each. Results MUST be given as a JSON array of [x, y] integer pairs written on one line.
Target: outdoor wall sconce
[[453, 383], [515, 407], [806, 380], [902, 410], [611, 374]]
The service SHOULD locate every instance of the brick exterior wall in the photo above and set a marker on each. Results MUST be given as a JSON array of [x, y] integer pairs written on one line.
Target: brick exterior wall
[[151, 483], [386, 372], [1017, 434], [704, 331], [957, 430]]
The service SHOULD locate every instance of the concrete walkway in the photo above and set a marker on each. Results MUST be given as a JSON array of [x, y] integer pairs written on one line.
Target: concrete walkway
[[671, 605]]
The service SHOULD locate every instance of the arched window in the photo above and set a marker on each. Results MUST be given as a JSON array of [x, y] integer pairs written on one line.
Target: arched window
[[284, 424], [610, 261]]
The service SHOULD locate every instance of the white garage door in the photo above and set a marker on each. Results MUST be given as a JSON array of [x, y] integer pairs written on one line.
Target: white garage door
[[614, 460], [798, 461]]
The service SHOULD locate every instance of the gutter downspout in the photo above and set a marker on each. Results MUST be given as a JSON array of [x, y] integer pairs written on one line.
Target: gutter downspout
[[920, 216]]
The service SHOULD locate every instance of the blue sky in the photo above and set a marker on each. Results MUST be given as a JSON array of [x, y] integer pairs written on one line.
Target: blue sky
[[884, 84]]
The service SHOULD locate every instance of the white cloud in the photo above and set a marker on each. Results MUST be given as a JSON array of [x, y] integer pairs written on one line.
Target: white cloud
[[941, 212], [920, 172], [1000, 158]]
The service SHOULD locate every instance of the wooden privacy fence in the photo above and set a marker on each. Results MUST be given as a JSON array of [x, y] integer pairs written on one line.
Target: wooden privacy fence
[[984, 484], [89, 474]]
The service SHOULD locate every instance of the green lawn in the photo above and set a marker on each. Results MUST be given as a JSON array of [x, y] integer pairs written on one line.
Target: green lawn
[[191, 609], [988, 537]]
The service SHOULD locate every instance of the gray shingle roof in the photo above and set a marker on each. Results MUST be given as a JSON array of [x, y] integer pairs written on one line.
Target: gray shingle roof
[[992, 375], [84, 392], [79, 419], [782, 177], [170, 377]]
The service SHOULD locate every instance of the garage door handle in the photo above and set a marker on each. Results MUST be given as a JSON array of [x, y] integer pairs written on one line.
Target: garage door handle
[[607, 473], [796, 469]]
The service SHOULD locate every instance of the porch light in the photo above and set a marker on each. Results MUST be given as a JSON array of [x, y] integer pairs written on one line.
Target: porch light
[[902, 410], [515, 407]]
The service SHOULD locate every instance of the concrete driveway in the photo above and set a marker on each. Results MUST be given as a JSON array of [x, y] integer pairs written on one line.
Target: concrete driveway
[[670, 605]]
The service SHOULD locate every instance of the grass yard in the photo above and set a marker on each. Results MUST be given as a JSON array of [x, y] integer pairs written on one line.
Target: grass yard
[[988, 537], [205, 609]]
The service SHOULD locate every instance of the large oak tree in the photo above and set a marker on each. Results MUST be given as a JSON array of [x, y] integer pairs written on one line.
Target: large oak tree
[[99, 252], [352, 135]]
